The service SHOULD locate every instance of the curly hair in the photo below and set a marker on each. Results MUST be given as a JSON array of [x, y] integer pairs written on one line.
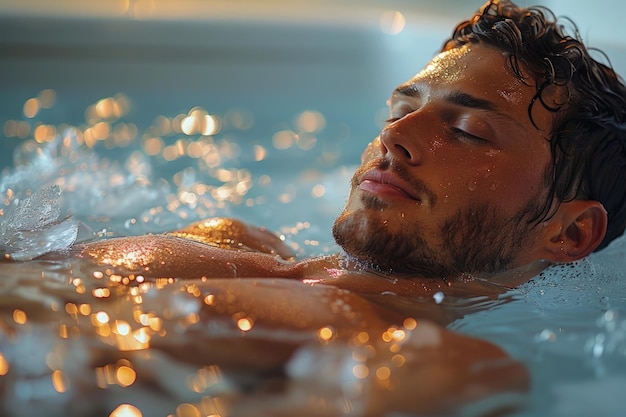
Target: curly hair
[[588, 138]]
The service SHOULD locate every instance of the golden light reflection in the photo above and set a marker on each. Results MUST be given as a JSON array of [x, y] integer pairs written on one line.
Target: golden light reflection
[[245, 324], [79, 286], [284, 139], [44, 133], [4, 365], [393, 334], [360, 371], [398, 360], [318, 191], [84, 309], [210, 125], [59, 381], [198, 122], [363, 337], [63, 331], [126, 410], [398, 335], [19, 316], [326, 333], [213, 406], [187, 410], [15, 128], [121, 327], [101, 292], [310, 121], [204, 379], [106, 108], [125, 376], [383, 373], [101, 317], [209, 299], [71, 309], [409, 323], [31, 107], [392, 22], [110, 108], [259, 153], [101, 130]]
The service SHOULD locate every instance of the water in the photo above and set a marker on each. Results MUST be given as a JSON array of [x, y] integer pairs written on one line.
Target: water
[[223, 130], [80, 344], [568, 326]]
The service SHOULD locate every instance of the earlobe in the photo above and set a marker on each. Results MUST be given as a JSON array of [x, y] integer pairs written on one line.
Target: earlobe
[[581, 226]]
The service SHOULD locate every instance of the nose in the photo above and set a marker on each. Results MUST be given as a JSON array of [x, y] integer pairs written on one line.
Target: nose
[[399, 144]]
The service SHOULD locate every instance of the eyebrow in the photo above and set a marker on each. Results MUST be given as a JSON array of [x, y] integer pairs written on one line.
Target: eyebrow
[[466, 100], [456, 97]]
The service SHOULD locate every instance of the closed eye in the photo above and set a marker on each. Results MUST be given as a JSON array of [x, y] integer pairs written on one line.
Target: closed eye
[[463, 135], [401, 108]]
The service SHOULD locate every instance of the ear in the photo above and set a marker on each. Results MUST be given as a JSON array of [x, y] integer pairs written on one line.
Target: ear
[[576, 230]]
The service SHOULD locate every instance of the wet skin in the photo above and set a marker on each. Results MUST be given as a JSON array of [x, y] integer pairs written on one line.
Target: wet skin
[[452, 181]]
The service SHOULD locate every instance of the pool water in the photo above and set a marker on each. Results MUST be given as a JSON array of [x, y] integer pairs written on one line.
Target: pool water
[[111, 158], [568, 325]]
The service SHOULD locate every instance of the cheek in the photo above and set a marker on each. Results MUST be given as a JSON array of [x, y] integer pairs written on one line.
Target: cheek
[[435, 148], [485, 177], [459, 175], [508, 176], [508, 181]]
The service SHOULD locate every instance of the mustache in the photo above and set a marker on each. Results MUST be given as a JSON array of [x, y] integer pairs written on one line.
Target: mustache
[[401, 172]]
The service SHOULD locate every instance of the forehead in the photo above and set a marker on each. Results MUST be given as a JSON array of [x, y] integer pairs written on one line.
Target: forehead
[[480, 70]]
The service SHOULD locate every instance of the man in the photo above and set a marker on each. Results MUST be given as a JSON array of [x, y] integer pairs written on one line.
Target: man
[[504, 155]]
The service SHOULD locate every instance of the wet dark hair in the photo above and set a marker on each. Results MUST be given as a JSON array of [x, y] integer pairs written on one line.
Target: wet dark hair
[[588, 137]]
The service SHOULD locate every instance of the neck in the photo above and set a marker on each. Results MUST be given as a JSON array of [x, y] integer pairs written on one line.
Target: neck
[[363, 276]]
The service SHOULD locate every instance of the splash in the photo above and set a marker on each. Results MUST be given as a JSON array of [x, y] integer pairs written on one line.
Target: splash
[[32, 226]]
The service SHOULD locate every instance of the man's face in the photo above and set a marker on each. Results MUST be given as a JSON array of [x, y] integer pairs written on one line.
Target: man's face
[[452, 181]]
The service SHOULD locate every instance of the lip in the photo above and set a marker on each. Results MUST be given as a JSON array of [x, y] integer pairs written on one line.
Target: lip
[[386, 184]]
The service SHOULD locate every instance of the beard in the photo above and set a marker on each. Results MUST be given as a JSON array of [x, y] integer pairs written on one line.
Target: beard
[[476, 239]]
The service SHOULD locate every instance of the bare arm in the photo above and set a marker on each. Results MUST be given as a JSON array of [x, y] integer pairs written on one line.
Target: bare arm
[[165, 256], [213, 248], [228, 233]]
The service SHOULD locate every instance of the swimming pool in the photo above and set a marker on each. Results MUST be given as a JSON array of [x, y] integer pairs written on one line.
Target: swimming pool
[[245, 119]]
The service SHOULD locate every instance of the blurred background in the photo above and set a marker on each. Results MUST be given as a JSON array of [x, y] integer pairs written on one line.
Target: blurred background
[[268, 60]]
